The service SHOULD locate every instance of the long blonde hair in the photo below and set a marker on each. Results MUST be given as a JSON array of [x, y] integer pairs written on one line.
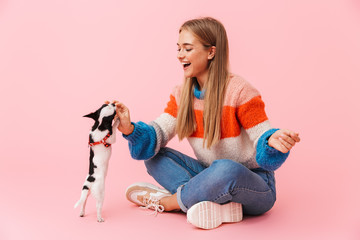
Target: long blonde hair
[[209, 32]]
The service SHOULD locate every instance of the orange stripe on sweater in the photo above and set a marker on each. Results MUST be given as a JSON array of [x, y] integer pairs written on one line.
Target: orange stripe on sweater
[[171, 107], [252, 113], [247, 115], [230, 126]]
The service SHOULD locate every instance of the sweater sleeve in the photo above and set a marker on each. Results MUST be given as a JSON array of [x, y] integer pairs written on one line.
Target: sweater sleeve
[[142, 141], [267, 157], [251, 113], [252, 116]]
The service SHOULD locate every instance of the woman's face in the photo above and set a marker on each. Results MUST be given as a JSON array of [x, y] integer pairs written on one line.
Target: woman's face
[[193, 56]]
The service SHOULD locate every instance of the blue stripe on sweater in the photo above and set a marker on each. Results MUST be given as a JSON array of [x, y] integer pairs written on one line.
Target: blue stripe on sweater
[[267, 157], [142, 141]]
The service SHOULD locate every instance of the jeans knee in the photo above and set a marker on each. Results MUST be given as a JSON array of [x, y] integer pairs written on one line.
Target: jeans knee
[[224, 173], [148, 164], [161, 160], [227, 167], [262, 206], [151, 163]]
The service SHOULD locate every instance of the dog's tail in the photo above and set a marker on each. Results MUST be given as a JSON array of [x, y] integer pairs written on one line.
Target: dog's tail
[[84, 194]]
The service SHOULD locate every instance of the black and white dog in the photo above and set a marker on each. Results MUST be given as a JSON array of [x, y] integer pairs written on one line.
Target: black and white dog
[[101, 136]]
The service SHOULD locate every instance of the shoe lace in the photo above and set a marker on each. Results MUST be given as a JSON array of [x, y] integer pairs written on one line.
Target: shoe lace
[[152, 203]]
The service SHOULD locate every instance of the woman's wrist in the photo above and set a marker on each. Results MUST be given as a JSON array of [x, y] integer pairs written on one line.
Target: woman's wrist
[[129, 130]]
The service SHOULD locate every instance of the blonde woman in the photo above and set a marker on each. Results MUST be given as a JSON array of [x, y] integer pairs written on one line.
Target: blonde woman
[[223, 118]]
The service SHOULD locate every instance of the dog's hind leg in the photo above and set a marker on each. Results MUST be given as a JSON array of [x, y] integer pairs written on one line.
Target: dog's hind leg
[[99, 204], [99, 194], [82, 202], [82, 209]]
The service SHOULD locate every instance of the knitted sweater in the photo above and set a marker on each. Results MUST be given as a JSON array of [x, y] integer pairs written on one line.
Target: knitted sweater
[[245, 129]]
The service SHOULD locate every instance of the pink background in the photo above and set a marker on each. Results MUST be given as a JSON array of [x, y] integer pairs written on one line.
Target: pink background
[[61, 59]]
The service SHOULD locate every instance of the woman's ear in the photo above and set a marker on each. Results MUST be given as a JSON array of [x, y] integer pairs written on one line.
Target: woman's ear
[[212, 51]]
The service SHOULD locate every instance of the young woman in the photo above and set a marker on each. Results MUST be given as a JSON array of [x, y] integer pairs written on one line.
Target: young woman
[[223, 118]]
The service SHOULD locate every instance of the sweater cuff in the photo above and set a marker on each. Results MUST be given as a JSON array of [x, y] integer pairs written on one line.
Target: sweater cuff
[[268, 157], [135, 135]]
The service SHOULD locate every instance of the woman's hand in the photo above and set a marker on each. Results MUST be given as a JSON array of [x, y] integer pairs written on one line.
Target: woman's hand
[[123, 113], [283, 140]]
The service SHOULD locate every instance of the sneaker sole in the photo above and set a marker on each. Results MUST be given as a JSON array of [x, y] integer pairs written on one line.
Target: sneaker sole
[[209, 215], [142, 186]]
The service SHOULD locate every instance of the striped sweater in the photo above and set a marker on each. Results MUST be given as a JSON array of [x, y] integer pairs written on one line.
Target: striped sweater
[[245, 129]]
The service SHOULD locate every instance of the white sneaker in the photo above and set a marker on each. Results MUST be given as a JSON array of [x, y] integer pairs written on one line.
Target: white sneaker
[[147, 195], [209, 215]]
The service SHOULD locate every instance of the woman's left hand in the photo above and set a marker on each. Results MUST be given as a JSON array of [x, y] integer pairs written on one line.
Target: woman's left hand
[[283, 140]]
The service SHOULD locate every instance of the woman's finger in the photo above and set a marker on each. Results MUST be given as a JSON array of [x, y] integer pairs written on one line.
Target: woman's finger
[[287, 138], [120, 105], [295, 136], [279, 146], [291, 134], [286, 144]]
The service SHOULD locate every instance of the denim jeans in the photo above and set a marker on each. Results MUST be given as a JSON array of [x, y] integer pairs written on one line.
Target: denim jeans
[[222, 182]]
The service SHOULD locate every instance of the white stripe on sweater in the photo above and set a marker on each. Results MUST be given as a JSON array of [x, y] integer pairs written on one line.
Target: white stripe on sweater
[[165, 128]]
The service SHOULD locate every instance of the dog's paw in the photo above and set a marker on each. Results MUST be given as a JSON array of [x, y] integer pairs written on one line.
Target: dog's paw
[[116, 122], [100, 220]]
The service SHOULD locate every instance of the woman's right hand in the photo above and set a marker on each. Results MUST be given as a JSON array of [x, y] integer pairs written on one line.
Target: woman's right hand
[[123, 113]]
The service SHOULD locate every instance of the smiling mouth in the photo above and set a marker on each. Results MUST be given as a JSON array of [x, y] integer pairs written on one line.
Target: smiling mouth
[[186, 65]]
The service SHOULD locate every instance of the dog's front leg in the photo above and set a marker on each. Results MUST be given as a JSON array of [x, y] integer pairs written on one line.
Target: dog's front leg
[[112, 138], [116, 123]]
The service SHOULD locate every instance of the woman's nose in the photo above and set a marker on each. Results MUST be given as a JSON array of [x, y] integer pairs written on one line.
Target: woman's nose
[[180, 54]]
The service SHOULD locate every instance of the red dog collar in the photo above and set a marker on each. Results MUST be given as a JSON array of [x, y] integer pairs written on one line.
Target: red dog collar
[[101, 142]]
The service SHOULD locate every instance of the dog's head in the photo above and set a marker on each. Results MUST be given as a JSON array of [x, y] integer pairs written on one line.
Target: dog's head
[[103, 116]]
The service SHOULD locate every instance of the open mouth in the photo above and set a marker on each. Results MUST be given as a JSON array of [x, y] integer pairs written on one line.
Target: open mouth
[[186, 65]]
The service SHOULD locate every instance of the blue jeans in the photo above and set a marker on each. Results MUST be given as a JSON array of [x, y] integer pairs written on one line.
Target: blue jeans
[[222, 182]]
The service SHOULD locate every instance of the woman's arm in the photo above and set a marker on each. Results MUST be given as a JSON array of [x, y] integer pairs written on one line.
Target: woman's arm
[[273, 148], [283, 140], [142, 141], [145, 140]]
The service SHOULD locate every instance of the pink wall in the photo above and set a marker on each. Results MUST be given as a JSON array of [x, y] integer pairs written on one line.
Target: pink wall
[[61, 59]]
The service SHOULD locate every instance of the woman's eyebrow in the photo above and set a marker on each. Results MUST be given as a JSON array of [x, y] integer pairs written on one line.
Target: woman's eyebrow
[[185, 44]]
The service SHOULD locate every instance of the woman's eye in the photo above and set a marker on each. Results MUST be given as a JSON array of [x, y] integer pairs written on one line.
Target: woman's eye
[[187, 50]]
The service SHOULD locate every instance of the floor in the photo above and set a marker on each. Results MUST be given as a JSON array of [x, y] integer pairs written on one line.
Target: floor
[[38, 197]]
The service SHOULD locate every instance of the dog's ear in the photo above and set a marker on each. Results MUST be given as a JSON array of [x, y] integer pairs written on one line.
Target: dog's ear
[[93, 115]]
